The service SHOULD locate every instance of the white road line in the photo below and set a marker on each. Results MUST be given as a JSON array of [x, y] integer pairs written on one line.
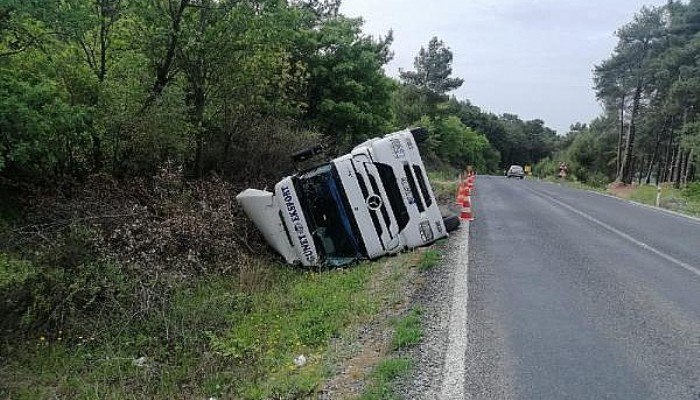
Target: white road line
[[618, 232], [454, 368]]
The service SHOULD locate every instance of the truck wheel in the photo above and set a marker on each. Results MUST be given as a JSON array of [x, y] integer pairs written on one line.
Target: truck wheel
[[451, 222]]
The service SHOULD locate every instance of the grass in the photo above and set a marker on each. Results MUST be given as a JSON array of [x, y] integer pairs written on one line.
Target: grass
[[680, 200], [430, 259], [686, 200], [408, 331], [297, 321], [382, 377], [444, 184], [574, 184], [225, 337], [216, 339]]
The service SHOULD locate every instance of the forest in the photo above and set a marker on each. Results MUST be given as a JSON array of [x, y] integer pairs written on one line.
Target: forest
[[123, 86], [650, 88]]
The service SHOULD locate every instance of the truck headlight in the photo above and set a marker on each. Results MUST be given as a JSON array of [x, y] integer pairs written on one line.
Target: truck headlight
[[426, 232]]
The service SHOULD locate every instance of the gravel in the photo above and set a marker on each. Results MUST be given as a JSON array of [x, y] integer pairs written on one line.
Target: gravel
[[435, 298]]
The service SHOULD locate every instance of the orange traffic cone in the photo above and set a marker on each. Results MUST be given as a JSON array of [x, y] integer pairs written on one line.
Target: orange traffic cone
[[466, 213], [460, 198]]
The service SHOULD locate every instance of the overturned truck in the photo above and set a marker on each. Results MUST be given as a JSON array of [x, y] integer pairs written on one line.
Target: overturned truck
[[374, 201]]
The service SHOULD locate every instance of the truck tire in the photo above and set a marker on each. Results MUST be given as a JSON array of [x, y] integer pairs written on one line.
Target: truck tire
[[451, 222]]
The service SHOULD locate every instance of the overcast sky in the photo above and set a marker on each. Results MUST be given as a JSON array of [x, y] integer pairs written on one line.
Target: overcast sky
[[533, 58]]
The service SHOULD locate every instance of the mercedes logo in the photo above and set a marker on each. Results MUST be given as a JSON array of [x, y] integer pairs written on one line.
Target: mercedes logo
[[373, 202]]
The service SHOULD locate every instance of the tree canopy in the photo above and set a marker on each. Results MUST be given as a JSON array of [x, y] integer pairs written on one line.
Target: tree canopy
[[650, 89], [123, 86]]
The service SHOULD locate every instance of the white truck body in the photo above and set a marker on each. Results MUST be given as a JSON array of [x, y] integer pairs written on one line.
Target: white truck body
[[374, 201]]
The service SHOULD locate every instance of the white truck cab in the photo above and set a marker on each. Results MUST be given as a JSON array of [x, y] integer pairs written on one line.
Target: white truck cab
[[374, 201]]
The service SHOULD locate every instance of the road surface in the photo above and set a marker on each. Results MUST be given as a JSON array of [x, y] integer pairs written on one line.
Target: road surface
[[574, 295]]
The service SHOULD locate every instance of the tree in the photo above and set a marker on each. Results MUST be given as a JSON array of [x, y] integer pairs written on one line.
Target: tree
[[626, 75], [348, 93], [433, 69]]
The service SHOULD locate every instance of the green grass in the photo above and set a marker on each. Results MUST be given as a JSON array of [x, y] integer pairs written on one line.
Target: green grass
[[408, 331], [681, 200], [216, 338], [686, 200], [443, 175], [430, 259], [382, 377], [646, 194], [14, 271], [573, 184], [444, 184], [300, 320]]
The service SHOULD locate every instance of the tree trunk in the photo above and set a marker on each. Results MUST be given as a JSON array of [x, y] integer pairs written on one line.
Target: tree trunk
[[672, 165], [686, 166], [655, 155], [647, 177], [198, 119], [621, 134], [659, 172], [667, 160], [624, 174], [164, 66], [196, 67], [677, 167]]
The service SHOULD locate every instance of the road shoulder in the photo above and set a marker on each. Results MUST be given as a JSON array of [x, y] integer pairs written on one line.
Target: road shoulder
[[439, 358]]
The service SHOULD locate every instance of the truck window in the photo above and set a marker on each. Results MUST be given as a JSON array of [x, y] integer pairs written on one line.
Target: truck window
[[333, 227], [423, 186], [386, 174], [414, 189]]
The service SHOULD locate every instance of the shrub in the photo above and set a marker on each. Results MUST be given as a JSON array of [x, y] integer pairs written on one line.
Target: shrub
[[692, 191], [546, 168], [65, 284]]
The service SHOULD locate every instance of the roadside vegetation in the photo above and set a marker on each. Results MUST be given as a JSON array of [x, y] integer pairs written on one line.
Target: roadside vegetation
[[650, 131], [685, 201], [430, 259], [386, 372], [217, 338], [445, 184]]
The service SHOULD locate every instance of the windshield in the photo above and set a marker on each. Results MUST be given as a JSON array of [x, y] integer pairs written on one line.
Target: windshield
[[328, 214]]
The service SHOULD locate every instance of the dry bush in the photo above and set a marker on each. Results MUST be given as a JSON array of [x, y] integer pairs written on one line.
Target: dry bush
[[261, 153], [146, 236]]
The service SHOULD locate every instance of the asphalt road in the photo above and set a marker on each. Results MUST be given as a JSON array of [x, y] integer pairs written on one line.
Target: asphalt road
[[574, 295]]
